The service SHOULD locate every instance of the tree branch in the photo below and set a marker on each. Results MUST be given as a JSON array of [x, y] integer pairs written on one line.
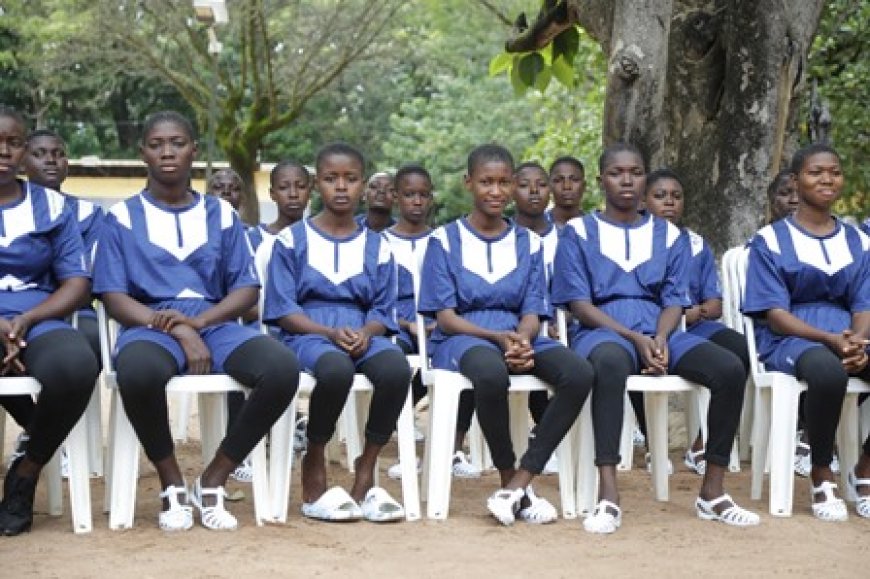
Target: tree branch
[[501, 16]]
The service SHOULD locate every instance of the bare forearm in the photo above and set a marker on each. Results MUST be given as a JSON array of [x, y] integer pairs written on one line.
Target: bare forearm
[[668, 320], [126, 310], [72, 294], [233, 306], [861, 325], [529, 327], [592, 317], [787, 324], [452, 323]]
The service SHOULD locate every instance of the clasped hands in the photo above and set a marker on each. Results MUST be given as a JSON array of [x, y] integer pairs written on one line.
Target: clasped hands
[[518, 353], [186, 331], [12, 333]]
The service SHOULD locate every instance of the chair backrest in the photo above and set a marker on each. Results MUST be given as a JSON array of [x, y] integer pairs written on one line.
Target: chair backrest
[[261, 261], [731, 315], [108, 330], [738, 274]]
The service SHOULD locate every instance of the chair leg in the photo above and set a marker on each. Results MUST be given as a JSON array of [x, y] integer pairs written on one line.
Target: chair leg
[[181, 415], [656, 404], [746, 420], [54, 485], [783, 423], [260, 484], [212, 422], [864, 411], [79, 479], [94, 418], [518, 404], [626, 444], [281, 462], [408, 460], [847, 442], [587, 473], [2, 432], [124, 469], [478, 450], [353, 418], [567, 455], [443, 406], [760, 440]]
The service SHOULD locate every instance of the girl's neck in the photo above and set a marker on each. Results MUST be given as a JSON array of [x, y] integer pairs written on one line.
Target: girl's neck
[[11, 192], [488, 226], [171, 195], [624, 216], [816, 220], [335, 224], [378, 220], [562, 215], [279, 224], [539, 223], [404, 227]]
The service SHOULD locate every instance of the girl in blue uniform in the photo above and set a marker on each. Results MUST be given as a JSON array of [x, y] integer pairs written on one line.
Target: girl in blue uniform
[[567, 185], [332, 290], [45, 163], [174, 267], [782, 198], [226, 184], [290, 189], [623, 275], [531, 198], [808, 282], [43, 279], [483, 279], [379, 196], [664, 198]]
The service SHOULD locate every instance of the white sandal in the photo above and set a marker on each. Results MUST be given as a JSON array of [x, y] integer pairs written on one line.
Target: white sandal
[[602, 521], [540, 511], [244, 473], [379, 507], [214, 517], [833, 508], [696, 461], [179, 517], [862, 502], [504, 504], [734, 515], [802, 462]]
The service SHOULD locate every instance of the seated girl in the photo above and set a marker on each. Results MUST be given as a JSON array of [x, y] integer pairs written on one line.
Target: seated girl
[[290, 189], [623, 274], [175, 269], [332, 290], [483, 280], [808, 283]]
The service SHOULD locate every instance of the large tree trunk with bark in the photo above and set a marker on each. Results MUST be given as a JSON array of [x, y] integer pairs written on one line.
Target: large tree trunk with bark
[[707, 87]]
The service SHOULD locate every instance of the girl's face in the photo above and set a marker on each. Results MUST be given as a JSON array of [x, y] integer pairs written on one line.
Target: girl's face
[[567, 184], [414, 196], [340, 183], [623, 181], [12, 147], [532, 191], [46, 162], [785, 199], [228, 186], [820, 180], [491, 184], [290, 190], [168, 150], [380, 192], [664, 198]]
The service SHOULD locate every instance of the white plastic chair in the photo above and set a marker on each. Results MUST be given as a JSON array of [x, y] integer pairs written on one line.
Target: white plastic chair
[[77, 454], [775, 422], [353, 416], [123, 452], [444, 389]]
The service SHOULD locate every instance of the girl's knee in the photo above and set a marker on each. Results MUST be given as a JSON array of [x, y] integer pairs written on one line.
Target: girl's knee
[[334, 372]]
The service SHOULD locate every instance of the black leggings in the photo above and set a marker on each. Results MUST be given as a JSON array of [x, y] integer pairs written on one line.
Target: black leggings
[[729, 339], [67, 370], [21, 408], [826, 387], [707, 364], [390, 375], [568, 375], [418, 391], [262, 364]]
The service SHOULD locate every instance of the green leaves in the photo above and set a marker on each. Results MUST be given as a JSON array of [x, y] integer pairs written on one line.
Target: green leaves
[[536, 69]]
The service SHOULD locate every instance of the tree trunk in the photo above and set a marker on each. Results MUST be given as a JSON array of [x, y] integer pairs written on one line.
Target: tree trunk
[[709, 88]]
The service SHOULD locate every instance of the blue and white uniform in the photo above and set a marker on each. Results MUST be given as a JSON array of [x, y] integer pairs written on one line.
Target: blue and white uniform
[[630, 272], [40, 246], [335, 282], [185, 258], [865, 227], [704, 283], [490, 282], [259, 233], [408, 251], [822, 280]]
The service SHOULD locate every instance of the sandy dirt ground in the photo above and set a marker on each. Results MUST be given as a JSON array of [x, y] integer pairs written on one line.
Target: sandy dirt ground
[[656, 539]]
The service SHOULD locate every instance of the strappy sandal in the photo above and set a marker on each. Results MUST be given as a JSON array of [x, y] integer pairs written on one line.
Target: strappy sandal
[[833, 508], [695, 460], [540, 511], [802, 463], [244, 473], [734, 515], [214, 517], [179, 517], [504, 504], [862, 502], [605, 519]]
